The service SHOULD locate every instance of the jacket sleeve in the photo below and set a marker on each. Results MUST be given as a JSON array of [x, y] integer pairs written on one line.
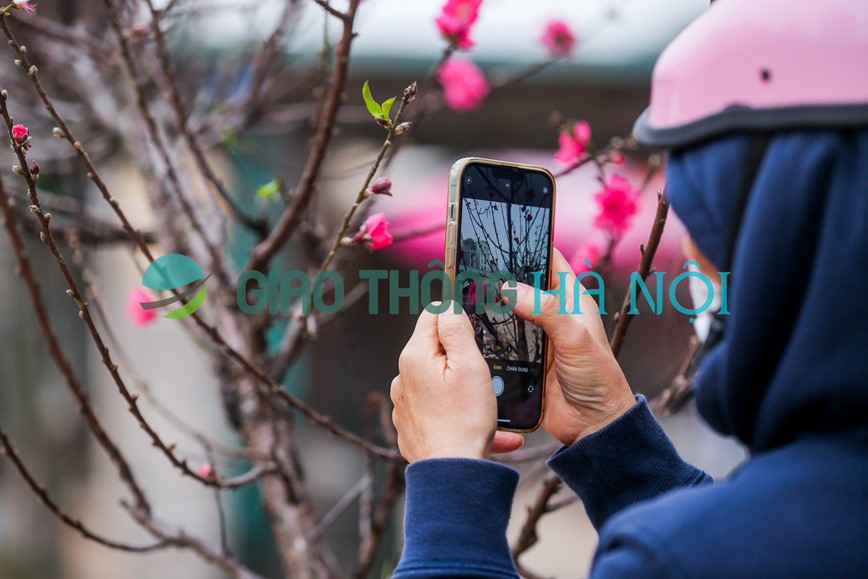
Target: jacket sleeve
[[455, 520], [629, 461]]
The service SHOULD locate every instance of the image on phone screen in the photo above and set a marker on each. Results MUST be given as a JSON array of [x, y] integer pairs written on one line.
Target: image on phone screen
[[504, 225]]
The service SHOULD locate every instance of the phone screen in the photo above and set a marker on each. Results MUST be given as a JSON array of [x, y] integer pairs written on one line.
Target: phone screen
[[504, 225]]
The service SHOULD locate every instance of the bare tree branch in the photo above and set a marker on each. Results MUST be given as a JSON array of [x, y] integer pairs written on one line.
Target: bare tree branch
[[60, 359], [263, 252], [40, 491]]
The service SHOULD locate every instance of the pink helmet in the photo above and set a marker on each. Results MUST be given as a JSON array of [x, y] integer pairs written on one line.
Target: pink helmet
[[760, 65]]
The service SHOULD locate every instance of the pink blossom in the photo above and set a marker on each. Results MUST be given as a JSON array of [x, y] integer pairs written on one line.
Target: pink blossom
[[617, 157], [374, 232], [558, 39], [618, 202], [26, 5], [20, 132], [455, 21], [464, 85], [572, 143], [586, 257], [140, 316], [206, 470]]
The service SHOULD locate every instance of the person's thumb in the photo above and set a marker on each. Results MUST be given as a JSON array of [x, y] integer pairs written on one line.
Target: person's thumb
[[506, 442], [545, 310], [456, 332]]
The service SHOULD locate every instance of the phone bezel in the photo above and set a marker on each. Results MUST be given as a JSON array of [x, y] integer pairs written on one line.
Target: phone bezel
[[453, 207]]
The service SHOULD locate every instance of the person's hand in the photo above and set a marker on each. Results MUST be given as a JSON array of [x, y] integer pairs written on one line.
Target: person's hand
[[585, 388], [444, 400]]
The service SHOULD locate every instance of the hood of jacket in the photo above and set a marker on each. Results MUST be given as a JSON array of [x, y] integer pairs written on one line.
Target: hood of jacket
[[793, 361]]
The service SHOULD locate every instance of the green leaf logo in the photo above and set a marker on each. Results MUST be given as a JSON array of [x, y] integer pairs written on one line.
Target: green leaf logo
[[175, 271]]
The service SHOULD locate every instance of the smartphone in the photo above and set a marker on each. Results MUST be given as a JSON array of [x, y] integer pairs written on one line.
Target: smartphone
[[500, 219]]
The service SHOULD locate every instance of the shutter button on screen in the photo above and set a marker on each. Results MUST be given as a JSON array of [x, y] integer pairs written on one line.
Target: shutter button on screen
[[497, 381]]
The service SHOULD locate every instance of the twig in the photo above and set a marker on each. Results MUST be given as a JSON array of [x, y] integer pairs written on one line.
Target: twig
[[209, 330], [425, 105], [380, 518], [528, 536], [680, 391], [218, 499], [343, 503], [177, 106], [40, 491], [95, 301], [408, 96], [334, 11], [60, 358], [375, 523], [89, 230], [644, 270], [134, 76], [264, 60], [65, 34], [75, 293], [293, 340], [76, 145], [182, 538], [264, 251]]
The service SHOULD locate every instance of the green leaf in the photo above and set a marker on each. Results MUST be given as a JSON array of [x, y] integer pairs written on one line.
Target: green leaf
[[373, 108], [269, 190], [387, 106]]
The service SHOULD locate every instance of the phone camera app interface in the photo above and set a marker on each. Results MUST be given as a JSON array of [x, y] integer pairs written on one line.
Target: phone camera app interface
[[504, 232]]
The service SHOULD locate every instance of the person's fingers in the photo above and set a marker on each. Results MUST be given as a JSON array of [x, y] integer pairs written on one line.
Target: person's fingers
[[546, 310], [506, 442], [587, 304], [456, 334]]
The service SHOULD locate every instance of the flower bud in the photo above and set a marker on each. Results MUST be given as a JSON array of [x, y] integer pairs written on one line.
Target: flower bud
[[403, 128], [410, 92], [20, 133], [382, 186], [206, 470]]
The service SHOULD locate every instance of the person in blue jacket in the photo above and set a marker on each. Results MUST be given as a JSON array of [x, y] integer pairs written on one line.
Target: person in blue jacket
[[763, 107]]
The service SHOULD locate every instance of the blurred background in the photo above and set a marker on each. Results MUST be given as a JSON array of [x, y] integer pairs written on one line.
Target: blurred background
[[605, 82]]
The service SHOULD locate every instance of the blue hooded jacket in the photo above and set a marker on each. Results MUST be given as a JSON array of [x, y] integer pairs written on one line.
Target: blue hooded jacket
[[789, 380]]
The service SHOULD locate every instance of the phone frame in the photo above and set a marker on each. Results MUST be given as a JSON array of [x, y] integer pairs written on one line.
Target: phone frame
[[450, 263]]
